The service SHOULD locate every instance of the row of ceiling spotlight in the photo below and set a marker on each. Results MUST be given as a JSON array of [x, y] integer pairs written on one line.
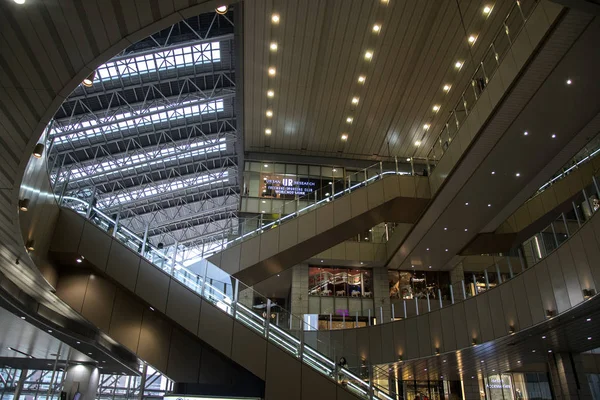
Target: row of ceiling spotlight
[[487, 10], [272, 71], [368, 56]]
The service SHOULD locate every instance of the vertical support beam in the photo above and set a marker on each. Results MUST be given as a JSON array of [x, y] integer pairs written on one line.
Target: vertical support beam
[[145, 239], [20, 382], [143, 381]]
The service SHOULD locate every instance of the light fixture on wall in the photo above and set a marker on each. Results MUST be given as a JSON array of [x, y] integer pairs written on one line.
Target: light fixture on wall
[[38, 150], [588, 293], [24, 204], [511, 330], [474, 342], [437, 351], [88, 81], [550, 313], [222, 10], [30, 245]]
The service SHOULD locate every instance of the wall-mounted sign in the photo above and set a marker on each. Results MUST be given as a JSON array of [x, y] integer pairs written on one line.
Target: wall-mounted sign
[[291, 186]]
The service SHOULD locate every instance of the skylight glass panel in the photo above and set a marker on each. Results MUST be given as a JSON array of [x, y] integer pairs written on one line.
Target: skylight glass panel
[[203, 53], [133, 195], [164, 155], [127, 120]]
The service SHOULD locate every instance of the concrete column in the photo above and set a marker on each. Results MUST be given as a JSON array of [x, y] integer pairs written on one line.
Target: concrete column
[[381, 294], [457, 274], [299, 295], [83, 379], [567, 377]]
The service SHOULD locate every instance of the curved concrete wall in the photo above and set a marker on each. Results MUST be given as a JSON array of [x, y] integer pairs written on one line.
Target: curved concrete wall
[[556, 284]]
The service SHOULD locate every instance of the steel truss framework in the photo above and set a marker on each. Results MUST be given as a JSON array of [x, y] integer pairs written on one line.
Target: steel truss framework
[[48, 384], [153, 141]]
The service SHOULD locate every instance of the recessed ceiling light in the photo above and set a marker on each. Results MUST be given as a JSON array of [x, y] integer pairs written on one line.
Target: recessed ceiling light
[[569, 81], [264, 201], [321, 260], [472, 39], [549, 351], [588, 320], [543, 337], [267, 131], [467, 203], [446, 249], [269, 113], [533, 351], [430, 266], [275, 18], [554, 136], [493, 172], [489, 205], [355, 100], [436, 108], [525, 133], [361, 263], [417, 143], [408, 159], [466, 229], [79, 260], [263, 211], [49, 330], [412, 266], [445, 228], [368, 55], [426, 126], [266, 165], [22, 317], [362, 79], [446, 88], [376, 28], [344, 137], [270, 93], [349, 120], [518, 361], [427, 249], [272, 71], [334, 170], [19, 1], [518, 174], [458, 64], [487, 9], [273, 46]]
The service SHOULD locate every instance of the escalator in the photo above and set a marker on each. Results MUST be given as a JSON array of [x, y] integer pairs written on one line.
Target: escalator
[[148, 310]]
